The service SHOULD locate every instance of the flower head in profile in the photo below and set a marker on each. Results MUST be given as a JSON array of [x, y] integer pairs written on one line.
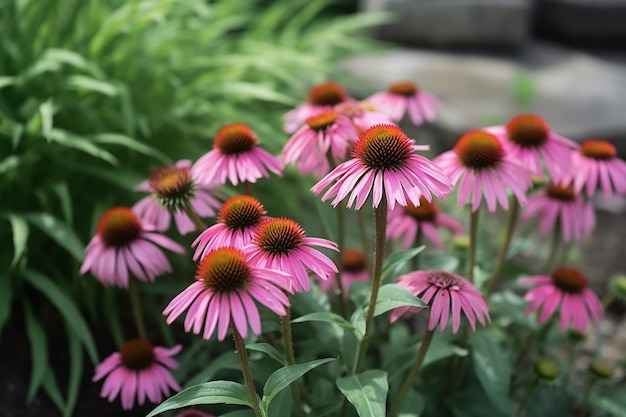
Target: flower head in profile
[[235, 157], [481, 167], [226, 283], [384, 164], [406, 222], [238, 220], [354, 269], [138, 371], [362, 114], [281, 244], [405, 97], [325, 135], [172, 189], [559, 206], [322, 96], [566, 290], [445, 293], [531, 142], [124, 245], [596, 166]]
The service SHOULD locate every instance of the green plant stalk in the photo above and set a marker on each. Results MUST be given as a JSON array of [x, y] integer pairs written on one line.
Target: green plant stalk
[[585, 403], [247, 187], [510, 230], [136, 307], [380, 240], [554, 249], [471, 251], [240, 346], [285, 322], [193, 216], [529, 394], [363, 233], [408, 381], [415, 262]]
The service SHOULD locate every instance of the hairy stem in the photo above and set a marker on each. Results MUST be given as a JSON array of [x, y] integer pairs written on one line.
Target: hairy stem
[[193, 216], [136, 307], [510, 230], [285, 322], [240, 346], [471, 251]]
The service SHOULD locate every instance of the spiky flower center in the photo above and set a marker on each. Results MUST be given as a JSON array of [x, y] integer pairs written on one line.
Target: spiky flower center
[[119, 226], [425, 212], [446, 280], [569, 280], [598, 149], [601, 369], [528, 130], [279, 236], [327, 93], [561, 192], [240, 212], [403, 88], [235, 138], [547, 369], [322, 121], [224, 270], [353, 260], [172, 186], [137, 354], [479, 150], [383, 147]]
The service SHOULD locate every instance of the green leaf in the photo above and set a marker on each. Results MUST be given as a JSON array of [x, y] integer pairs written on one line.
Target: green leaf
[[6, 81], [38, 351], [366, 391], [52, 389], [67, 308], [269, 350], [19, 226], [213, 392], [326, 317], [76, 372], [130, 143], [493, 369], [6, 299], [611, 401], [396, 261], [47, 117], [392, 296], [283, 377], [358, 321], [58, 231], [80, 143], [81, 82]]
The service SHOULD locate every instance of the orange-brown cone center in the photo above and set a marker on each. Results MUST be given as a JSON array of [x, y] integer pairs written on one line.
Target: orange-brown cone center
[[234, 139], [383, 147], [403, 88], [279, 236], [528, 130], [426, 212], [240, 212], [322, 121], [119, 226], [561, 192], [569, 280], [223, 270], [327, 94], [353, 260], [598, 149], [478, 150], [137, 354], [172, 185]]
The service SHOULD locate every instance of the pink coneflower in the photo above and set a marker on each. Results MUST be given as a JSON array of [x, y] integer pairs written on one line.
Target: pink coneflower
[[558, 205], [282, 244], [354, 269], [528, 139], [444, 292], [140, 371], [323, 96], [480, 165], [123, 244], [565, 288], [405, 97], [362, 114], [172, 189], [406, 222], [384, 161], [236, 157], [325, 135], [226, 283], [596, 165], [238, 220]]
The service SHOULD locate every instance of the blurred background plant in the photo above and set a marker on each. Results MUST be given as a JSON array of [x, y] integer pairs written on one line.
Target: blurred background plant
[[93, 94]]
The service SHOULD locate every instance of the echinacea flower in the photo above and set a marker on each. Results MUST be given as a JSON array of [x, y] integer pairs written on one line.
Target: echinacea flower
[[566, 290], [354, 269], [323, 96], [138, 371], [235, 156], [445, 293], [325, 135], [405, 97], [281, 244], [530, 141], [238, 220], [559, 206], [125, 245], [172, 189], [406, 222], [226, 283], [481, 166], [385, 164], [596, 165], [362, 114]]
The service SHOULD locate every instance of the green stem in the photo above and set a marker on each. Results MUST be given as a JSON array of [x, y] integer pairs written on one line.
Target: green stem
[[341, 224], [471, 251], [136, 307], [408, 381], [247, 187], [527, 397], [363, 232], [193, 216], [510, 230], [585, 403], [380, 240], [554, 249], [240, 346], [415, 262], [285, 322]]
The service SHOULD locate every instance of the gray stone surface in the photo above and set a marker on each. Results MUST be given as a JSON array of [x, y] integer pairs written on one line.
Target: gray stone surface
[[454, 22]]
